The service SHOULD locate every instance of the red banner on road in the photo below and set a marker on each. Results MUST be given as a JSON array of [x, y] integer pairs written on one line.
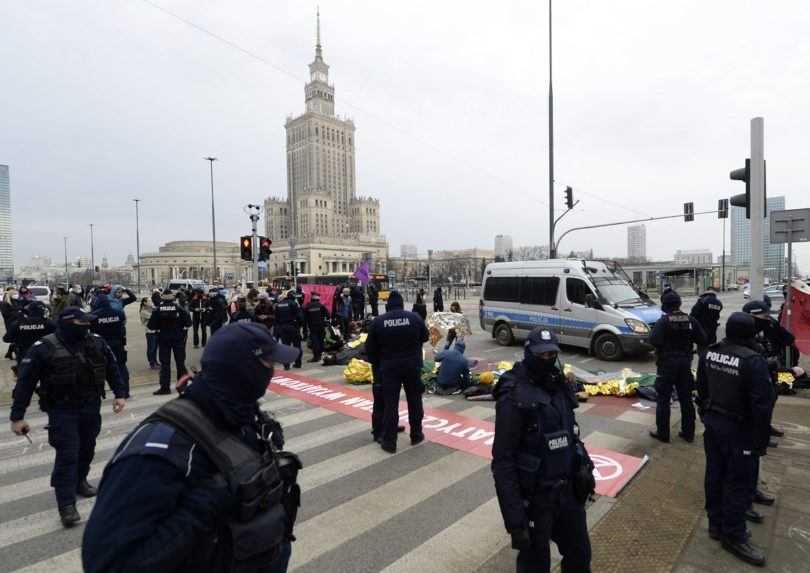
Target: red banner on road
[[613, 470]]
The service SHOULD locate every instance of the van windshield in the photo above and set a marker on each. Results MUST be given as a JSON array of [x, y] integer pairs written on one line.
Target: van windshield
[[616, 291]]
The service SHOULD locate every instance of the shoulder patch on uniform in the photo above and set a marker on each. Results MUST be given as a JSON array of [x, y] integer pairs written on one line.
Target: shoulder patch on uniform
[[37, 343], [160, 440]]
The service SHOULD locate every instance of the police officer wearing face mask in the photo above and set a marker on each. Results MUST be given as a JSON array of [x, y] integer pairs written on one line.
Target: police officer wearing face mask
[[394, 349], [217, 314], [199, 306], [242, 313], [543, 474], [171, 322], [734, 398], [707, 311], [110, 324], [288, 325], [316, 317], [674, 337], [202, 484], [70, 366], [29, 328]]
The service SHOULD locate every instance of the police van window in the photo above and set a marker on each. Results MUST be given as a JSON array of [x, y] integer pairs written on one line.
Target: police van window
[[539, 290], [502, 289], [576, 289]]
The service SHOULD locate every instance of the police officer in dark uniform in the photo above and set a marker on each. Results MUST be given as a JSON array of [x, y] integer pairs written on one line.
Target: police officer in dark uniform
[[674, 337], [394, 349], [707, 311], [171, 322], [373, 299], [217, 313], [70, 366], [316, 317], [110, 324], [199, 307], [202, 484], [242, 313], [734, 400], [288, 325], [543, 474], [29, 328]]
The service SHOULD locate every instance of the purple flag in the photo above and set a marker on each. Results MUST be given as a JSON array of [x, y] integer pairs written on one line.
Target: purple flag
[[361, 274]]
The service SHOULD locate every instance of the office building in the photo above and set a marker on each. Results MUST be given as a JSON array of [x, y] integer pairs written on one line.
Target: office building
[[503, 248], [408, 251], [693, 257], [6, 244], [637, 242], [774, 263]]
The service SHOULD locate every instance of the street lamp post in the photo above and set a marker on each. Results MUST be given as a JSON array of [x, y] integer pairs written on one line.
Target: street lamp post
[[551, 246], [211, 160], [67, 274], [138, 243]]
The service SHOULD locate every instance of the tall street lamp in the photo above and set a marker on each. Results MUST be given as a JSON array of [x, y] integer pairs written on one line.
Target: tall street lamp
[[551, 247], [67, 274], [92, 257], [210, 161], [138, 242]]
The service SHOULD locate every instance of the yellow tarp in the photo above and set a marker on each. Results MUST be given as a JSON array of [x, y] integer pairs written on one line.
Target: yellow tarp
[[358, 372]]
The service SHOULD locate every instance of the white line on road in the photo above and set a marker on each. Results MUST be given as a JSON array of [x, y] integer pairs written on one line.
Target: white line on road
[[70, 562], [37, 524]]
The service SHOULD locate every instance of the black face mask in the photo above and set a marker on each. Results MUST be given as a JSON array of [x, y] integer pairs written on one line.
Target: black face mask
[[72, 332], [539, 367]]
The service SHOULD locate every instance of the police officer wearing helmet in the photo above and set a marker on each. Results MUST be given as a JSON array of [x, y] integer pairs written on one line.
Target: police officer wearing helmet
[[674, 337], [110, 324], [202, 484], [734, 399], [707, 311], [32, 326], [316, 317], [171, 322], [70, 366], [288, 325], [394, 349], [543, 474]]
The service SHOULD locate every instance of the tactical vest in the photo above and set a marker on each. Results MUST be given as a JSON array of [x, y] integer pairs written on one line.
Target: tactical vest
[[723, 362], [285, 313], [29, 330], [263, 484], [547, 452], [678, 334], [73, 376], [169, 315]]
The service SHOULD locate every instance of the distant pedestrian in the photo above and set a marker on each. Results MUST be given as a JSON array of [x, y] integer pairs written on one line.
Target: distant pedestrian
[[373, 299], [145, 313], [419, 306], [358, 302], [438, 301]]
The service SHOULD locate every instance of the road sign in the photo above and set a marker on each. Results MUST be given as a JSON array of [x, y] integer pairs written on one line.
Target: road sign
[[790, 226]]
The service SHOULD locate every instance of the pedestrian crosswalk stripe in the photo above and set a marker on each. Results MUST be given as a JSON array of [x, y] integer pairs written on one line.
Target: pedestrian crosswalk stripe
[[328, 530], [70, 562], [38, 524]]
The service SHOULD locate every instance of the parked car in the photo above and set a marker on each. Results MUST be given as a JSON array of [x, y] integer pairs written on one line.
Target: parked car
[[41, 293]]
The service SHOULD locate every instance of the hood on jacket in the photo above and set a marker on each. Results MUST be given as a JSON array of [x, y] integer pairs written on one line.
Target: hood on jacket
[[395, 301]]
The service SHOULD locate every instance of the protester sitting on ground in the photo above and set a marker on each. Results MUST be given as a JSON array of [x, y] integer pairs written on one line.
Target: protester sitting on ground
[[454, 372]]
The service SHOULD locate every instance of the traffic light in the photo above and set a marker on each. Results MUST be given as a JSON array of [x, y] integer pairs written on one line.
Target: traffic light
[[264, 248], [246, 248], [744, 199], [688, 212], [569, 197], [722, 209]]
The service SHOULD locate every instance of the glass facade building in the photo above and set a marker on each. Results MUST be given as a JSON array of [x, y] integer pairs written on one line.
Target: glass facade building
[[773, 255], [6, 256]]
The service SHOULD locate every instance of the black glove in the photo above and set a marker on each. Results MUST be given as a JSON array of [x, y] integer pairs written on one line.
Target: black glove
[[520, 539]]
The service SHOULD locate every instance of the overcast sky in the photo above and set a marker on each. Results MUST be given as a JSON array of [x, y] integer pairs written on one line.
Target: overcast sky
[[102, 101]]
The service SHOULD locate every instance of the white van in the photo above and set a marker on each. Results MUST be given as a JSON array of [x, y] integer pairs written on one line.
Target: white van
[[583, 302], [176, 284]]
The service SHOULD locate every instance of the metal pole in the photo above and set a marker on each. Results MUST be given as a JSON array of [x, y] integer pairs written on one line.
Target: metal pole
[[253, 212], [552, 251], [429, 271], [67, 274], [138, 243], [757, 178], [214, 273], [92, 257], [723, 261], [788, 301]]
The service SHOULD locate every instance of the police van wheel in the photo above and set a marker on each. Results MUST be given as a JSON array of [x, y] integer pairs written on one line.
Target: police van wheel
[[608, 347], [504, 336]]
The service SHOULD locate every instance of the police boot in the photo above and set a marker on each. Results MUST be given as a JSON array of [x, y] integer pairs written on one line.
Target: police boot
[[313, 359], [657, 436], [753, 515], [86, 490], [763, 498], [745, 550], [162, 392], [776, 433], [69, 515]]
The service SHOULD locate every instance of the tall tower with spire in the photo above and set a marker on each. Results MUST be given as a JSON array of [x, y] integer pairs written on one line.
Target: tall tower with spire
[[322, 206]]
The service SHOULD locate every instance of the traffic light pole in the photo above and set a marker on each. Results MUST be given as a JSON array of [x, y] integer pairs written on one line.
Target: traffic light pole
[[679, 216], [253, 212], [757, 201], [553, 252]]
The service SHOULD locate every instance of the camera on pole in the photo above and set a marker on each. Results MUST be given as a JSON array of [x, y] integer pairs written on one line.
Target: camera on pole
[[688, 212], [744, 199], [246, 248], [569, 197]]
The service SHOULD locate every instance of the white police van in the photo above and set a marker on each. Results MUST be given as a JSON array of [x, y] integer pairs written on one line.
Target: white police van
[[584, 302]]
